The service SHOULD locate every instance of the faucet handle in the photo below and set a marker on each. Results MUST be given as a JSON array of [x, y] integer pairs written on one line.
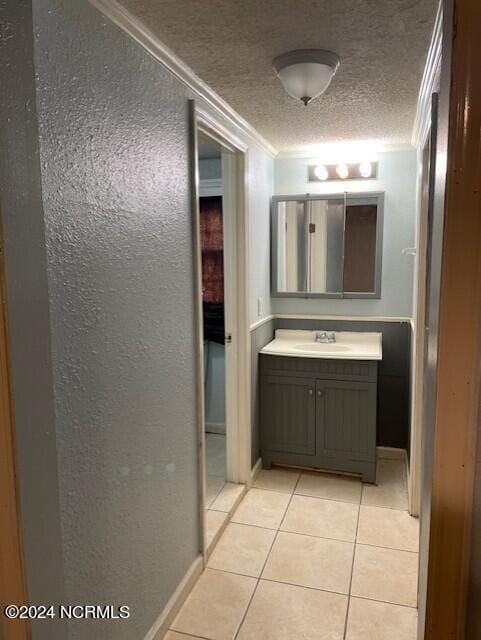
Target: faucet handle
[[324, 336]]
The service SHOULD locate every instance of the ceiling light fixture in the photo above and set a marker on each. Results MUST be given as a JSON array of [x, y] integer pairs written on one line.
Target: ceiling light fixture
[[365, 169], [306, 73], [321, 172]]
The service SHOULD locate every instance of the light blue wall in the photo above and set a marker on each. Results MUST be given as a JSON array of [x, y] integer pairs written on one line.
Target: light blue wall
[[261, 188], [210, 168], [397, 178]]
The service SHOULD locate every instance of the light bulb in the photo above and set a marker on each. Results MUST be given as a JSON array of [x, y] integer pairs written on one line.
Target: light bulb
[[365, 169], [342, 171], [321, 172]]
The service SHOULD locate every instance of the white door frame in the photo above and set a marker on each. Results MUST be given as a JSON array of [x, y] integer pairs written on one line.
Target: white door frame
[[236, 284], [418, 343], [422, 127]]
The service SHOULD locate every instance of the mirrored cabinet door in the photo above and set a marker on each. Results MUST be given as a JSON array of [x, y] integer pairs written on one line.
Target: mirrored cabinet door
[[326, 238], [327, 246], [292, 246], [361, 246]]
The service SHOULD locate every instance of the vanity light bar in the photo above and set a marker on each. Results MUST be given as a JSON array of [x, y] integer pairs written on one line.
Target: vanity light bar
[[342, 171]]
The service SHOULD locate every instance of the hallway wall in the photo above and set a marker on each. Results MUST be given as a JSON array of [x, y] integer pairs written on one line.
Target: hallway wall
[[118, 247], [120, 271]]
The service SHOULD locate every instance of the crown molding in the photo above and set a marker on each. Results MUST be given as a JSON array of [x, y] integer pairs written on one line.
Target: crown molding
[[429, 83], [120, 16]]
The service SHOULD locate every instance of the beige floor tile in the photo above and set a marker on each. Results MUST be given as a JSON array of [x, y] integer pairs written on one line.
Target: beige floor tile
[[284, 612], [262, 508], [391, 488], [213, 524], [368, 620], [242, 549], [216, 605], [310, 562], [173, 635], [325, 518], [388, 528], [385, 574], [277, 480], [332, 487], [213, 487], [392, 470], [227, 497]]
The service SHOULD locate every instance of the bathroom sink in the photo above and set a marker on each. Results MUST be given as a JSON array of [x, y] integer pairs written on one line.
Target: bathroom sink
[[349, 345], [321, 347]]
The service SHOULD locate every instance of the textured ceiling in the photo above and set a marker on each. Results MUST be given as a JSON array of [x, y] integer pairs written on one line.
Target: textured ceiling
[[231, 44]]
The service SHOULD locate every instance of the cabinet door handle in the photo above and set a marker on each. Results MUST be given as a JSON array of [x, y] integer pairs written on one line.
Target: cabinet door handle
[[310, 392], [319, 393]]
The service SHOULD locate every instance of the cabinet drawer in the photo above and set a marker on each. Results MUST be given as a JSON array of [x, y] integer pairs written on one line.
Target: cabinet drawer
[[361, 370], [288, 414]]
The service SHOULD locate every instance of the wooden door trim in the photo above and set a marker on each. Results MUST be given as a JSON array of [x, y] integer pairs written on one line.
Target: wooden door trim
[[459, 346], [12, 581]]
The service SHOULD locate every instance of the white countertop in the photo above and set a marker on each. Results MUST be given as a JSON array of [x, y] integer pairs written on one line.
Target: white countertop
[[349, 345]]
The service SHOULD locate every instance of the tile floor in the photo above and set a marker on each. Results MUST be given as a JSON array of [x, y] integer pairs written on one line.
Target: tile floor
[[314, 557]]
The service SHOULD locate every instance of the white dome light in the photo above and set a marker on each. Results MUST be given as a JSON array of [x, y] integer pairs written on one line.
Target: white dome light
[[342, 171], [321, 172], [306, 73], [365, 169]]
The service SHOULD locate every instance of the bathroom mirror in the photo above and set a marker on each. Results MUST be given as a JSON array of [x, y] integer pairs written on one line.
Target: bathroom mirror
[[327, 245]]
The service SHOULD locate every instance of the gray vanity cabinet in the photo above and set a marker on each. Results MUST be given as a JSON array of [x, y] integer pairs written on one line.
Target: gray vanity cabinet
[[319, 413]]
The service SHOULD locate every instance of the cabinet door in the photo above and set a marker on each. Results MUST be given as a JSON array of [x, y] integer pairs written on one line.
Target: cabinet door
[[288, 414], [346, 419]]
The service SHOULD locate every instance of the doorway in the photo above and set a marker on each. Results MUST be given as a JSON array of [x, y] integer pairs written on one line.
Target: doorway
[[222, 321]]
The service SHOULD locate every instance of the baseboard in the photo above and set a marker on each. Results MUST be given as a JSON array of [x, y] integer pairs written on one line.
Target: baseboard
[[391, 453], [163, 622], [254, 473], [215, 427]]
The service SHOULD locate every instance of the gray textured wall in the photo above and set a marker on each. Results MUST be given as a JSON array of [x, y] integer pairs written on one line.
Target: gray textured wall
[[100, 282], [27, 303], [118, 234]]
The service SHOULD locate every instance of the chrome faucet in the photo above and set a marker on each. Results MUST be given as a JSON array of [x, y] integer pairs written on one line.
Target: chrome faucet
[[325, 337]]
